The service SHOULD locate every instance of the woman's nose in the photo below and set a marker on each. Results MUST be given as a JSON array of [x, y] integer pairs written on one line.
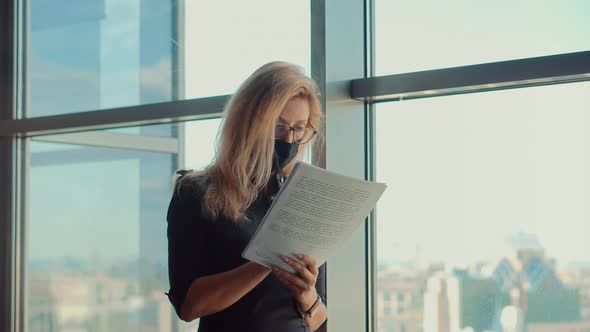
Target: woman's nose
[[289, 137]]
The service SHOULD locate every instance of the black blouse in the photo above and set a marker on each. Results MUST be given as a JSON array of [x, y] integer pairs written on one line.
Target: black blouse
[[198, 247]]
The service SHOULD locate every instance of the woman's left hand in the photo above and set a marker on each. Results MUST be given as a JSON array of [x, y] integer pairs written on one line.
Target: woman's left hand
[[301, 283]]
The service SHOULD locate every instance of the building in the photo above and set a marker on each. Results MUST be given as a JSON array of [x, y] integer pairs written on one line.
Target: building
[[532, 284], [400, 299], [456, 301]]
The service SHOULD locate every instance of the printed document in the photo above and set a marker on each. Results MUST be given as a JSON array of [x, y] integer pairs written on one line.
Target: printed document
[[314, 213]]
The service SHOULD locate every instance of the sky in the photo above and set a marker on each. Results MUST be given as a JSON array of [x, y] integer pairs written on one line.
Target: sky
[[422, 35], [465, 172]]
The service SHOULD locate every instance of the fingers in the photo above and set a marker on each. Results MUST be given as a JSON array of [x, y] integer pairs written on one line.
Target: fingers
[[309, 262], [305, 275], [302, 270], [290, 280]]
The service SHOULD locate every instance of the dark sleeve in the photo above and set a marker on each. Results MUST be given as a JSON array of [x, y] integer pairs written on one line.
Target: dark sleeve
[[187, 247], [320, 287]]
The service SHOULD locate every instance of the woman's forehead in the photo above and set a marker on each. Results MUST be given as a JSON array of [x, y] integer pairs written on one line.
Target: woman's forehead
[[296, 110]]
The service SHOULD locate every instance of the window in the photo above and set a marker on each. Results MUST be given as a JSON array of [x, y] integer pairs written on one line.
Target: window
[[386, 295], [487, 205], [97, 253], [100, 54], [227, 40], [400, 297], [417, 35]]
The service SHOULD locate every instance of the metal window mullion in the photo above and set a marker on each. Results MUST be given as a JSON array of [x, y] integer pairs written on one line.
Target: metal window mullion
[[11, 236], [167, 112], [370, 139], [21, 178], [318, 71], [178, 50], [344, 60], [546, 70], [8, 159], [6, 235]]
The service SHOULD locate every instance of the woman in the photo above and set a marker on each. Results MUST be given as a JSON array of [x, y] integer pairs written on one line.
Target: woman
[[214, 213]]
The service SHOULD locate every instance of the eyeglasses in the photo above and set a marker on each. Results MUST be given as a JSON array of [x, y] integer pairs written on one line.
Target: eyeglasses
[[300, 135]]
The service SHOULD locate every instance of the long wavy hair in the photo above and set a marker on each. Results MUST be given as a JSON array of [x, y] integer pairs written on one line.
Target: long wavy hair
[[243, 161]]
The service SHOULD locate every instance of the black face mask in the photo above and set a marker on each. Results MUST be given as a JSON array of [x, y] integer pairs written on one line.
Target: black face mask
[[283, 154]]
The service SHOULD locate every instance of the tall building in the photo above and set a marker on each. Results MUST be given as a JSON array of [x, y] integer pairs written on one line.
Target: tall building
[[400, 299], [457, 301], [436, 306], [530, 280]]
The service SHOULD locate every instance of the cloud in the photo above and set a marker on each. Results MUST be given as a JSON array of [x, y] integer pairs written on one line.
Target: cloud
[[156, 80]]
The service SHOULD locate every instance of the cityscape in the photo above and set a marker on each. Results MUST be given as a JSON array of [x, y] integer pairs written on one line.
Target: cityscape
[[79, 297], [525, 290]]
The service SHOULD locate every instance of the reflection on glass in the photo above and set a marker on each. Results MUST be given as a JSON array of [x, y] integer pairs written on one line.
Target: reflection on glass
[[101, 54], [485, 222], [418, 35], [98, 54], [97, 253], [97, 248]]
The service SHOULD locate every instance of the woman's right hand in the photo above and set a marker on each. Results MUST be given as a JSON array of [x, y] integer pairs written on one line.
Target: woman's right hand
[[302, 282]]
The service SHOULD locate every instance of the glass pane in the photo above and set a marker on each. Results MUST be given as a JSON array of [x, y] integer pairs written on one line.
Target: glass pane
[[486, 217], [97, 247], [98, 54], [200, 139], [227, 40], [97, 258], [421, 35]]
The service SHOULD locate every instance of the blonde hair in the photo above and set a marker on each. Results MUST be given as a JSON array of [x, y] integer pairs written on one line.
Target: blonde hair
[[242, 166]]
